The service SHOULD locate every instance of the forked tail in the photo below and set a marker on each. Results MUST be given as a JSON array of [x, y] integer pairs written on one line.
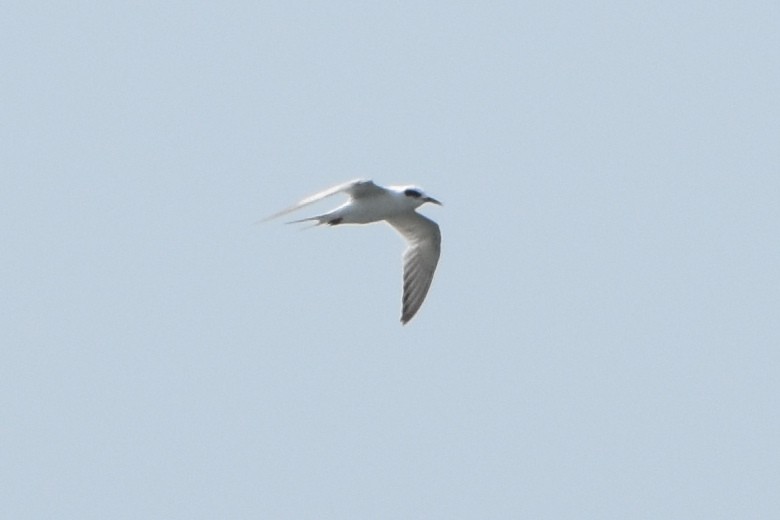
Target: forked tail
[[319, 220]]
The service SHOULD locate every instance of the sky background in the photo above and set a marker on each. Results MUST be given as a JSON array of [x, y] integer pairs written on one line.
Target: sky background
[[602, 336]]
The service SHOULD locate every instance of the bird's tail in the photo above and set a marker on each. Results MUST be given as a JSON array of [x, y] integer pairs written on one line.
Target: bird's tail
[[318, 221]]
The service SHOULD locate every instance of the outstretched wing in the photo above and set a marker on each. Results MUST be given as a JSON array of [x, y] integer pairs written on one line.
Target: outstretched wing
[[420, 258], [355, 189]]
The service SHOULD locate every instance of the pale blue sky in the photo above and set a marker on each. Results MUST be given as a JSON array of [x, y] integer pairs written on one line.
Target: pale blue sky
[[601, 339]]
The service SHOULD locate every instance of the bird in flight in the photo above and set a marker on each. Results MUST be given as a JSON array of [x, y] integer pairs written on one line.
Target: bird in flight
[[395, 205]]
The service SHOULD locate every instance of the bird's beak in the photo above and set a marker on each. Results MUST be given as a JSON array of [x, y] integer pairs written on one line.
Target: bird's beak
[[431, 199]]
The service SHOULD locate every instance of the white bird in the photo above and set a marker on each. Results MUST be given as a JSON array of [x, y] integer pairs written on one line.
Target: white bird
[[395, 205]]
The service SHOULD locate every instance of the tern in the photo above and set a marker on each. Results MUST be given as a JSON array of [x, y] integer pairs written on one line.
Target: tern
[[395, 205]]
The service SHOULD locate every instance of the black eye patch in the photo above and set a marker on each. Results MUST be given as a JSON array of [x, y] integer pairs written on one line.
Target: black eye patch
[[412, 193]]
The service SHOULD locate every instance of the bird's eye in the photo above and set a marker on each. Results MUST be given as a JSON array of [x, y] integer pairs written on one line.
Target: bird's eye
[[412, 193]]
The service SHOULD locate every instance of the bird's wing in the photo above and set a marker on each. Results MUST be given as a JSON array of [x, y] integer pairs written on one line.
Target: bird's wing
[[355, 189], [420, 258]]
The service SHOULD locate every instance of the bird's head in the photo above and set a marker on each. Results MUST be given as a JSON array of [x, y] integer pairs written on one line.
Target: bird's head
[[417, 196]]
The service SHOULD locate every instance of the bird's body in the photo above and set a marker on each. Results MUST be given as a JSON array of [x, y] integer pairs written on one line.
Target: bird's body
[[396, 205]]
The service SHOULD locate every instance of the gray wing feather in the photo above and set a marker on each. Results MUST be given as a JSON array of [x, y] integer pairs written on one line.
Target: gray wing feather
[[420, 259]]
